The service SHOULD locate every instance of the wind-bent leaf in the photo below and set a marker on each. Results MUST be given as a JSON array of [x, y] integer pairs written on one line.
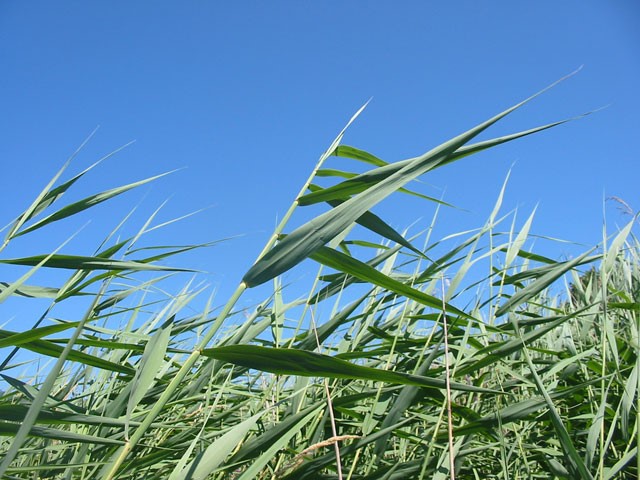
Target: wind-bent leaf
[[377, 225], [31, 291], [328, 172], [538, 272], [540, 284], [16, 413], [44, 198], [50, 195], [86, 203], [34, 334], [531, 256], [284, 361], [345, 263], [362, 182], [77, 262], [340, 281], [347, 151], [50, 349], [11, 429], [308, 238]]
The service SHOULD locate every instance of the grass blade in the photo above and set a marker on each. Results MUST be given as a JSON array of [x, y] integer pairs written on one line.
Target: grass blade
[[283, 361]]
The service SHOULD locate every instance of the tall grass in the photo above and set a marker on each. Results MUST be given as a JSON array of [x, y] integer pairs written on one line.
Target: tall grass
[[407, 358]]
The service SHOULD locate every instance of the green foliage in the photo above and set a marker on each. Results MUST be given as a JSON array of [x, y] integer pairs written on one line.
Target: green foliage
[[544, 379]]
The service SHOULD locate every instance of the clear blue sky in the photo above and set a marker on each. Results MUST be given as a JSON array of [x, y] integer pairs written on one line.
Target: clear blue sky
[[247, 95]]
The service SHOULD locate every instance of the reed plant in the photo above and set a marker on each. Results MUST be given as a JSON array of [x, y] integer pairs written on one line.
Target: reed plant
[[469, 356]]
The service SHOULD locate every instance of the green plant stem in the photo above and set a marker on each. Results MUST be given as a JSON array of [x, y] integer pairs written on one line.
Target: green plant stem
[[445, 333]]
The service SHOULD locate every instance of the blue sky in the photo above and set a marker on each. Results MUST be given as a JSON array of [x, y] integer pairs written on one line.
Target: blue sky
[[243, 97]]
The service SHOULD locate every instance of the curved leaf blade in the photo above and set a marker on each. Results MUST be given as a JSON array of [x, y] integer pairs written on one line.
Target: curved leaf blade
[[308, 238], [284, 361]]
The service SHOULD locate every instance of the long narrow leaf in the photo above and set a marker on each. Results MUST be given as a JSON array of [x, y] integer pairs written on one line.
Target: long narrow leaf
[[308, 238], [77, 262], [358, 269], [86, 203], [361, 182], [283, 361]]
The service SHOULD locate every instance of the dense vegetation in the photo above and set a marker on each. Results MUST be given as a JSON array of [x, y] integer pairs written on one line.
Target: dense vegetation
[[396, 364]]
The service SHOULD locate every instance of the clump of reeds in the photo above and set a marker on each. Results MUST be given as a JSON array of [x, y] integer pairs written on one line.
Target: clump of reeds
[[542, 378]]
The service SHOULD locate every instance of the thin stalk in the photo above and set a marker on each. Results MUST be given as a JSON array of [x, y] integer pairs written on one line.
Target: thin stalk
[[603, 343], [332, 417], [452, 467]]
